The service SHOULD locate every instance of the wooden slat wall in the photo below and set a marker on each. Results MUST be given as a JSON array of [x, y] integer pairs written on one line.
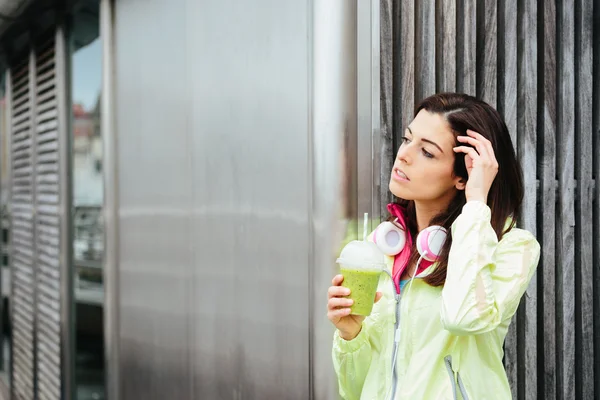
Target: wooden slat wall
[[565, 157], [584, 261], [547, 268], [538, 63], [596, 202], [526, 150]]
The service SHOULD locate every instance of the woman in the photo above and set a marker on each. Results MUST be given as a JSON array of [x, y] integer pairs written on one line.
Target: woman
[[456, 168]]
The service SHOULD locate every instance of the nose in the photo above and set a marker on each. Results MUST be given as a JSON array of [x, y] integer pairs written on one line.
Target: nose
[[404, 154]]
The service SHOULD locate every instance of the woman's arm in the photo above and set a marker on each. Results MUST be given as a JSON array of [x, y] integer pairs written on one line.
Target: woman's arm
[[352, 358], [485, 278]]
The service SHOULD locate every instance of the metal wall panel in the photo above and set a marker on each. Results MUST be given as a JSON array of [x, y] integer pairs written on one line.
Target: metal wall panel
[[212, 127], [227, 150], [368, 116], [110, 206], [344, 157]]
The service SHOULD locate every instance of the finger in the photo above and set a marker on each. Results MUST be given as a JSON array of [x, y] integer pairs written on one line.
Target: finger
[[480, 146], [486, 142], [485, 150], [467, 150], [478, 136], [468, 162], [339, 302], [338, 291], [378, 296], [337, 280], [339, 313]]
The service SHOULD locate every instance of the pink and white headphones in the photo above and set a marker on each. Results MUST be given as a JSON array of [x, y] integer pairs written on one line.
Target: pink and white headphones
[[391, 239]]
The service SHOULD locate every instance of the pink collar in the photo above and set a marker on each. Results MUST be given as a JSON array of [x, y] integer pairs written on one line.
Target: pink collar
[[401, 259]]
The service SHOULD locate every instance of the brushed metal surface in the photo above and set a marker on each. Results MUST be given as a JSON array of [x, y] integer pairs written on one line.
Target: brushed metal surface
[[212, 125], [231, 129], [110, 206]]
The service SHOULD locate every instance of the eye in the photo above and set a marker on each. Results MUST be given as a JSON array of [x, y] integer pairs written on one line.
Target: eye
[[427, 154], [404, 139]]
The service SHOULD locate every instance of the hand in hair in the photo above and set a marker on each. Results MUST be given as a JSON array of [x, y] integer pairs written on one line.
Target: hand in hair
[[481, 164]]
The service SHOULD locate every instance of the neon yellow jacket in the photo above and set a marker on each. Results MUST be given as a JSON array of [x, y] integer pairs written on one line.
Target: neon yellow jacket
[[450, 338]]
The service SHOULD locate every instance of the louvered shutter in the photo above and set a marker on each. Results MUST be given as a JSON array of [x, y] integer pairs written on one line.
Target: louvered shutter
[[22, 230], [40, 218], [47, 225]]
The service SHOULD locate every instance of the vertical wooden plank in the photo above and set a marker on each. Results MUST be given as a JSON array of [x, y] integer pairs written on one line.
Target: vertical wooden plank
[[425, 51], [527, 137], [406, 65], [596, 133], [487, 60], [507, 105], [566, 212], [466, 32], [386, 46], [511, 362], [446, 46], [584, 232], [507, 62], [548, 203]]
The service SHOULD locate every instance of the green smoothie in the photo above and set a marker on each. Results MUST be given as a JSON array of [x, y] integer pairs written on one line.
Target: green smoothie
[[363, 286]]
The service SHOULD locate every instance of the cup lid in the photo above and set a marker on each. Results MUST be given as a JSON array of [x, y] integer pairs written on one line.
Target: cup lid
[[362, 254]]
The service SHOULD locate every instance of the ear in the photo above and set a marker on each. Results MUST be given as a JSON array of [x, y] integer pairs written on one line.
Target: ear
[[460, 183]]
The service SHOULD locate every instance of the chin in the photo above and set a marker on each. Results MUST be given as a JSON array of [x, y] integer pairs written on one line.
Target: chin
[[399, 191]]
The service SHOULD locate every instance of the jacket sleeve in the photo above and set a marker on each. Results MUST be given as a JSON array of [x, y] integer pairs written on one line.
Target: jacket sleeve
[[485, 278], [352, 358]]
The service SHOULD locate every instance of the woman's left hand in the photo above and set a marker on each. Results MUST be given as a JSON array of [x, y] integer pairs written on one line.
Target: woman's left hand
[[481, 164]]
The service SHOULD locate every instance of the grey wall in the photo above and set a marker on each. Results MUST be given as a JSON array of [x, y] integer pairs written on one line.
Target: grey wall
[[224, 190], [212, 119], [537, 62]]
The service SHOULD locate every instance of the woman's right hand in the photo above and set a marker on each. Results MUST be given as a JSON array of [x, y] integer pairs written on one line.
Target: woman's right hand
[[338, 310]]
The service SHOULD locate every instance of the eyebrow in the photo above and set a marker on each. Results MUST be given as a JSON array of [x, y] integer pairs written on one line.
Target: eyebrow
[[426, 140]]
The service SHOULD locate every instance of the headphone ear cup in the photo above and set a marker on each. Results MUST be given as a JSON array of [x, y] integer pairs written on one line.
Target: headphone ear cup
[[430, 242], [389, 238]]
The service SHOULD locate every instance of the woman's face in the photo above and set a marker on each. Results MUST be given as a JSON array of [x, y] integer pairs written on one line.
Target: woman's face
[[424, 166]]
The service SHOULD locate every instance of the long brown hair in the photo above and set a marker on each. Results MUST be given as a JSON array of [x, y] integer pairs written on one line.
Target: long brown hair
[[464, 112]]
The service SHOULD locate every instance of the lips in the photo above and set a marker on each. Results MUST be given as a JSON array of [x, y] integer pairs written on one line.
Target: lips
[[400, 175]]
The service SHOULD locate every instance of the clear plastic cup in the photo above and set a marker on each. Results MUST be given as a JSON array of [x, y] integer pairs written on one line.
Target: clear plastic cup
[[361, 263]]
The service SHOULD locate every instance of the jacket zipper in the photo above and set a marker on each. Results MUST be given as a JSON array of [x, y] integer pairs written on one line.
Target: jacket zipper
[[396, 344], [461, 386]]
